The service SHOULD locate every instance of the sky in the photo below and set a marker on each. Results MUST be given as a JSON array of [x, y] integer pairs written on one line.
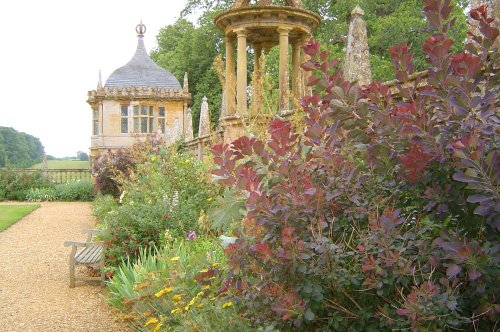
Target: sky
[[51, 56]]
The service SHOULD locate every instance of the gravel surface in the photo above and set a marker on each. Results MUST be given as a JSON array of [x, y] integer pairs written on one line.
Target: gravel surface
[[34, 275]]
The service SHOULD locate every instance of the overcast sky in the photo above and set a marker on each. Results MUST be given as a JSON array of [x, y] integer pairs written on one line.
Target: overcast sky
[[51, 55]]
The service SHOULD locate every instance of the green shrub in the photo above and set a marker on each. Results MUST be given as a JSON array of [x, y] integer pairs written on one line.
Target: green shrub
[[168, 191], [82, 190], [383, 214], [15, 185], [104, 204], [16, 195], [41, 195], [176, 289]]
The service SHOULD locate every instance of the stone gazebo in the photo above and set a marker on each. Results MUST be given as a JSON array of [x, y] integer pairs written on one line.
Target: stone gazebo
[[262, 26], [138, 100]]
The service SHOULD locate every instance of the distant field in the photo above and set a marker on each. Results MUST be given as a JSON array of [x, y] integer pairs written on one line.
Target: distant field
[[64, 164]]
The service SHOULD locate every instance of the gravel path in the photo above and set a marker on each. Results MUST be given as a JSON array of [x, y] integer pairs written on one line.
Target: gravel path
[[34, 275]]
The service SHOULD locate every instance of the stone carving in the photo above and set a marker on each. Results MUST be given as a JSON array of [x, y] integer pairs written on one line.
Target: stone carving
[[141, 92], [357, 57], [204, 128], [245, 3], [189, 136]]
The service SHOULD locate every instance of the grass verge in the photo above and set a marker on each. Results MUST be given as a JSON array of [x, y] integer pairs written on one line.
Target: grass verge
[[10, 214]]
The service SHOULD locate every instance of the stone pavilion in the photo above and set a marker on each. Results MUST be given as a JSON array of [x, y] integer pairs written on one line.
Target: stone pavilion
[[137, 100]]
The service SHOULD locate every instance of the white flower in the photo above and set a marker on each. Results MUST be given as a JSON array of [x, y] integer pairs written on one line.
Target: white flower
[[122, 195]]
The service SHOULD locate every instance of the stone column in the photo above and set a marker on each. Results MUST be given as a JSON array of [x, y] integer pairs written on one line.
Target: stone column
[[493, 8], [297, 94], [304, 75], [257, 84], [284, 93], [242, 78], [357, 57], [230, 85]]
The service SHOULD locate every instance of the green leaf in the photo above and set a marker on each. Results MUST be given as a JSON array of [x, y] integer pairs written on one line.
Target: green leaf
[[309, 315], [230, 208]]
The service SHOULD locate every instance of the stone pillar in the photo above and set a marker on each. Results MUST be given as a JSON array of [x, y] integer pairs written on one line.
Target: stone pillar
[[357, 57], [493, 7], [304, 75], [204, 129], [257, 84], [296, 93], [284, 86], [230, 85], [242, 78], [188, 134]]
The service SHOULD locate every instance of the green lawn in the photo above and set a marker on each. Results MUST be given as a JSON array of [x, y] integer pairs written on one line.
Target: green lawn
[[10, 214], [64, 164]]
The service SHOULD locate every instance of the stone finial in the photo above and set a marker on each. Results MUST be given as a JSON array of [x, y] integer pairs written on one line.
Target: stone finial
[[357, 57], [357, 11], [185, 86], [99, 83], [204, 128], [140, 29], [188, 135]]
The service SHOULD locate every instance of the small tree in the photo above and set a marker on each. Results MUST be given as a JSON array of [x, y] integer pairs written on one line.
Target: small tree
[[384, 213], [82, 156]]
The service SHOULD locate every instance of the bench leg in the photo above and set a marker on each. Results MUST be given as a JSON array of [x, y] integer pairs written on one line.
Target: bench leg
[[103, 274], [72, 268], [71, 273]]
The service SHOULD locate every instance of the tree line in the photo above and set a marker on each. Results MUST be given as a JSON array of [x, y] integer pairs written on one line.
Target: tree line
[[193, 47], [18, 149]]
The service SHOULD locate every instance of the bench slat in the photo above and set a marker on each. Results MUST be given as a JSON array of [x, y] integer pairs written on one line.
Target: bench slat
[[89, 255], [82, 254]]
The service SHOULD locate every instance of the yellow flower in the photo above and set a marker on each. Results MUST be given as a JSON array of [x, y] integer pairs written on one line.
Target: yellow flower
[[206, 287], [215, 264], [158, 327], [199, 294], [176, 311], [153, 158], [199, 306], [164, 291], [151, 321], [175, 259], [227, 305], [146, 314], [209, 199], [177, 297], [204, 271]]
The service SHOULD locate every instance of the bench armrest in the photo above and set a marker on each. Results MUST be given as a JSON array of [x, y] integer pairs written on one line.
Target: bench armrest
[[83, 244]]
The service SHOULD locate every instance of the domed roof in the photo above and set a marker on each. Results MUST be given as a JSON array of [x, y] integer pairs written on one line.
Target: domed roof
[[141, 71]]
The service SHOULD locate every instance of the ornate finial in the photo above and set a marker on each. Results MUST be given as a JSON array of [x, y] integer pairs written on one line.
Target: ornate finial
[[185, 86], [358, 11], [140, 29], [99, 83]]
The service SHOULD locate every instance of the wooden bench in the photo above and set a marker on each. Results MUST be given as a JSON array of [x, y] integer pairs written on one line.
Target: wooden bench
[[88, 253]]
